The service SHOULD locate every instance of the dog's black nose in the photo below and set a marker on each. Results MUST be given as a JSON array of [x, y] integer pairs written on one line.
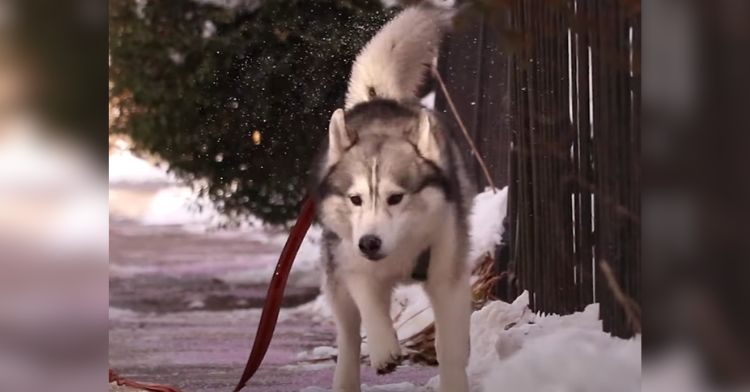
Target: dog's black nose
[[370, 245]]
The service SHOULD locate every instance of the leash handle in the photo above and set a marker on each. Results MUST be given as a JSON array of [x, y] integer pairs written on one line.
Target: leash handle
[[276, 291], [115, 378]]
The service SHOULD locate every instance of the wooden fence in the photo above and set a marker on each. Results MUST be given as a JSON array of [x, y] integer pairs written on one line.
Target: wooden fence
[[550, 90]]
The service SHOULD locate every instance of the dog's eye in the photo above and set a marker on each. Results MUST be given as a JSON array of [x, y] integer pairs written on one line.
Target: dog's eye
[[356, 200], [395, 199]]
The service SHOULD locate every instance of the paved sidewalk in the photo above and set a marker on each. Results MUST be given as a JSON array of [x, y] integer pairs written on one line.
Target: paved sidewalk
[[174, 321]]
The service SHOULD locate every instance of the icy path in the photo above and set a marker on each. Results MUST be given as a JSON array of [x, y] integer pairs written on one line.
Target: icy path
[[178, 317]]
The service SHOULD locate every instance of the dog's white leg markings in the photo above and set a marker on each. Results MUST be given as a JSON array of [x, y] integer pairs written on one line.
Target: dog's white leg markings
[[346, 376], [373, 298], [451, 302]]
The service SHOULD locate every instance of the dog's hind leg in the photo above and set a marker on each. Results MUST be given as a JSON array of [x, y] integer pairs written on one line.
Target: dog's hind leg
[[373, 298], [451, 303], [346, 376]]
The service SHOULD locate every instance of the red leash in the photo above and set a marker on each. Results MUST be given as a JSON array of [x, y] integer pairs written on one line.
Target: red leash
[[270, 309], [276, 291]]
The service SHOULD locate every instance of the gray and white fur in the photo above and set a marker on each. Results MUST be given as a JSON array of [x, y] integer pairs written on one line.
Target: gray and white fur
[[392, 192]]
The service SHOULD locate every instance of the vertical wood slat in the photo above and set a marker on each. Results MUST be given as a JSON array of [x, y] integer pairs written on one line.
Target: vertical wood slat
[[634, 22], [584, 164], [564, 139], [519, 200]]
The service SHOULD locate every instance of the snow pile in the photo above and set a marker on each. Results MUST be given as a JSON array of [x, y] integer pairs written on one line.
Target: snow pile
[[491, 323], [486, 222], [570, 360], [177, 205], [144, 191], [171, 203], [182, 206], [126, 168], [514, 349]]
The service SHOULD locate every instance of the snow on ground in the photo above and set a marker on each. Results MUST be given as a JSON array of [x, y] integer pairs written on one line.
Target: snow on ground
[[516, 350], [572, 360], [523, 351], [126, 168], [179, 206], [166, 200]]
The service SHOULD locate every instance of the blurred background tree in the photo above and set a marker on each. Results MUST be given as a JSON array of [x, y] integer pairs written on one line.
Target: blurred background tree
[[236, 101]]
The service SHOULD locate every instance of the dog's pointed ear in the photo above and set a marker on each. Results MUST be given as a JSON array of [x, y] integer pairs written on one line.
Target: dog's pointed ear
[[339, 138], [427, 143]]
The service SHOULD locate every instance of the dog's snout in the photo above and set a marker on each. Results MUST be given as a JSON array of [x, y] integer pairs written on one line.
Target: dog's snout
[[370, 245]]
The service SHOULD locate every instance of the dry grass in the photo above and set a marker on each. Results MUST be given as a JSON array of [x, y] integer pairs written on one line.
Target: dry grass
[[420, 348]]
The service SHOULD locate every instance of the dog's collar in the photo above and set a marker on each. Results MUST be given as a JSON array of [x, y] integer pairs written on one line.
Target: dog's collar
[[421, 267]]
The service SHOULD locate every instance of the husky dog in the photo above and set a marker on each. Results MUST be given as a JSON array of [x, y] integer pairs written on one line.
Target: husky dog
[[393, 198]]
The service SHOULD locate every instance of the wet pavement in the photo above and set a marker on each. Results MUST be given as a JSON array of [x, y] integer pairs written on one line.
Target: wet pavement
[[159, 268], [176, 319]]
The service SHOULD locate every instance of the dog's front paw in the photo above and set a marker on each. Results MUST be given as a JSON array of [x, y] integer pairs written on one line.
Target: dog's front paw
[[385, 355]]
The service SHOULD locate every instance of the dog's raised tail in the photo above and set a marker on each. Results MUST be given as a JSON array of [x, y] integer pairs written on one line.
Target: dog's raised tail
[[393, 64]]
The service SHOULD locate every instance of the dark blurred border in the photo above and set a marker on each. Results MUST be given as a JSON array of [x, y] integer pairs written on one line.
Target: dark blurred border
[[696, 101], [64, 43], [53, 195]]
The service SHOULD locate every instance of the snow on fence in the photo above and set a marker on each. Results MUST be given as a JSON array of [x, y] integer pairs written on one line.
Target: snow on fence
[[550, 91]]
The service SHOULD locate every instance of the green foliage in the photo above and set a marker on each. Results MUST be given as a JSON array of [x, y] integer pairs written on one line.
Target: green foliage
[[196, 101]]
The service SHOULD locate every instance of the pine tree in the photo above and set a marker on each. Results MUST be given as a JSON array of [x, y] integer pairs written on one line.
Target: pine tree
[[237, 103]]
